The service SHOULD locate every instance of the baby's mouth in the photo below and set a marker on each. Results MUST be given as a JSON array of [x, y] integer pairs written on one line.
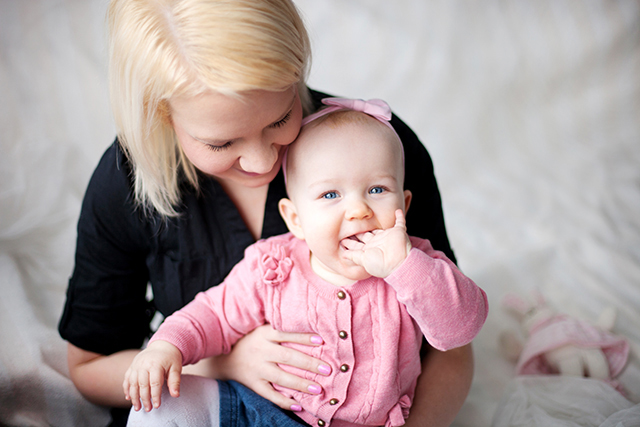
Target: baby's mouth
[[353, 238]]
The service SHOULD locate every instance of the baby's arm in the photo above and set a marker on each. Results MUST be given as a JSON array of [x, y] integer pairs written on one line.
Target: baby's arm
[[447, 305], [144, 379], [207, 326], [380, 252]]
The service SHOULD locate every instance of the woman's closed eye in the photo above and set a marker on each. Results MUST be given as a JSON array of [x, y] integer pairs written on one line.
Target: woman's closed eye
[[219, 147], [282, 121]]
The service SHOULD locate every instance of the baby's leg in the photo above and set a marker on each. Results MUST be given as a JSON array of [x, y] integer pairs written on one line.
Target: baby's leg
[[198, 405]]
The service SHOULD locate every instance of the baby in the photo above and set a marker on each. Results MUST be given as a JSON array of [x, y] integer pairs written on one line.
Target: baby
[[347, 271]]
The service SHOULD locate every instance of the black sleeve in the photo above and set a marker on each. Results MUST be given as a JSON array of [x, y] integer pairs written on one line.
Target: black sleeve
[[106, 310], [425, 217]]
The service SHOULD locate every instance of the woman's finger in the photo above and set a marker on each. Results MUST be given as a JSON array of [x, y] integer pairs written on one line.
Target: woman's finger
[[291, 357], [292, 337], [266, 390], [274, 374], [297, 359]]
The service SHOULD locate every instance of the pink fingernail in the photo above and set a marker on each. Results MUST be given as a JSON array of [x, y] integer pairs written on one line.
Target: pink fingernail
[[324, 369], [314, 389], [317, 340], [296, 408]]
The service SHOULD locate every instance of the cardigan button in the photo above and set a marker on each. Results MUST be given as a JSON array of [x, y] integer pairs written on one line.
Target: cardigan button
[[342, 295], [343, 334], [333, 401], [344, 368], [321, 423]]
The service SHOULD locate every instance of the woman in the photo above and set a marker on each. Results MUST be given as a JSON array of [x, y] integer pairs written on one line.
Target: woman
[[205, 95]]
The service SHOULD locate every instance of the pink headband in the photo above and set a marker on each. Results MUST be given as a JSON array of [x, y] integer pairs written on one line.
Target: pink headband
[[376, 108]]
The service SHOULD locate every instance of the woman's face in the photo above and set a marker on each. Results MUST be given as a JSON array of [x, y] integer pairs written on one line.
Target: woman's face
[[237, 139]]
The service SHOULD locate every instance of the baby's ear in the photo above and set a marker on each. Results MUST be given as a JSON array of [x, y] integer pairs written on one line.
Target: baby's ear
[[407, 200], [290, 215]]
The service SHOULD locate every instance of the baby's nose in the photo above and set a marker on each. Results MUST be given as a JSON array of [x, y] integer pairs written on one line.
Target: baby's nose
[[358, 209]]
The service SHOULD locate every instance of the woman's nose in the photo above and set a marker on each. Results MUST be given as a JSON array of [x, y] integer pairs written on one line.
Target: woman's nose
[[259, 157], [358, 209]]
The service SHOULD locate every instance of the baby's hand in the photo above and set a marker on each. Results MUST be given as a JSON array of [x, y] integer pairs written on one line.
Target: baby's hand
[[380, 252], [144, 378]]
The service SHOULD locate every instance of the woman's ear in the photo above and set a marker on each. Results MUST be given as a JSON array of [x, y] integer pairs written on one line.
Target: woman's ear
[[290, 215], [407, 200]]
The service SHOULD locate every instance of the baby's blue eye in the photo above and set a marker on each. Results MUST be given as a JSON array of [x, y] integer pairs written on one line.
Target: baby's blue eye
[[330, 195], [376, 190]]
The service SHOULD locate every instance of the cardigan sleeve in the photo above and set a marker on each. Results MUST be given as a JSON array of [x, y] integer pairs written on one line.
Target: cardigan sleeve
[[218, 317], [448, 306]]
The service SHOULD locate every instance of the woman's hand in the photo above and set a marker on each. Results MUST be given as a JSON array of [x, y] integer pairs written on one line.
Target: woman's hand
[[144, 379], [254, 361]]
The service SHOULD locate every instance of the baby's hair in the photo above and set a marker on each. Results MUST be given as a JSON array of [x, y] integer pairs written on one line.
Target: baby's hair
[[159, 49], [335, 120]]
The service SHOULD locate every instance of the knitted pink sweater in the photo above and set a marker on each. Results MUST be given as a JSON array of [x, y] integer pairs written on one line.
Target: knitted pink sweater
[[372, 329]]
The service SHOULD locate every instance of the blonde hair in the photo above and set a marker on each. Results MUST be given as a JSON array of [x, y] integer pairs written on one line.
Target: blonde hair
[[164, 48]]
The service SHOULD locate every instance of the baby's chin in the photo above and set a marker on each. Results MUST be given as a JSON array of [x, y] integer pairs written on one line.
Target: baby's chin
[[342, 273], [355, 272]]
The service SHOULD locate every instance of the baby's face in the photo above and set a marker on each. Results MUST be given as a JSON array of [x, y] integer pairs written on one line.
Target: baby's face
[[345, 181]]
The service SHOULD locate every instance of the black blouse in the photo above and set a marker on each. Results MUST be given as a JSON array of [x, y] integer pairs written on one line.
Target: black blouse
[[119, 249]]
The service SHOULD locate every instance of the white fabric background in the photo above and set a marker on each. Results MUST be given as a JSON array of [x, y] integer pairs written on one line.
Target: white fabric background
[[530, 110]]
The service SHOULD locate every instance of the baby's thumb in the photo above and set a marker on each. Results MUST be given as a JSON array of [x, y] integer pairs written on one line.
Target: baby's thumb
[[173, 380], [400, 219]]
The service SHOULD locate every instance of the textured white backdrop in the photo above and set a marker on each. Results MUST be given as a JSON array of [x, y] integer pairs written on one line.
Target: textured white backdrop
[[530, 110]]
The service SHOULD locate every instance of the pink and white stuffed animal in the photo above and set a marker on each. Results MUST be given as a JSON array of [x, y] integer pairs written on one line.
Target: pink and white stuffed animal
[[559, 344]]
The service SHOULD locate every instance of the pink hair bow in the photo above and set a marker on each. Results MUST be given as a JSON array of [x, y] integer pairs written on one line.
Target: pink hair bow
[[375, 108]]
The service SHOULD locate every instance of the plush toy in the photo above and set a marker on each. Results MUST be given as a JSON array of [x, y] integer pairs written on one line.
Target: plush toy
[[559, 344]]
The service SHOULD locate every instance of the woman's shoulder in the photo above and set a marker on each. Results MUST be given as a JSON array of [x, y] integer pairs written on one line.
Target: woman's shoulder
[[108, 203], [112, 176]]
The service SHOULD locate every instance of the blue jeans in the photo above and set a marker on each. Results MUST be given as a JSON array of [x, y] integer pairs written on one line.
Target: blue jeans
[[241, 407]]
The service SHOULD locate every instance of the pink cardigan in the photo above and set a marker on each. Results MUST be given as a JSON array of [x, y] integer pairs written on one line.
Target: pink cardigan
[[372, 329]]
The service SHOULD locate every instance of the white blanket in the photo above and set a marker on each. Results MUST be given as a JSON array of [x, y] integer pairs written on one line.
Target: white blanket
[[530, 110]]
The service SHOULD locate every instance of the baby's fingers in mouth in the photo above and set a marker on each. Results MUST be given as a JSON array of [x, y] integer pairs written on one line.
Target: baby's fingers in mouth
[[351, 242]]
